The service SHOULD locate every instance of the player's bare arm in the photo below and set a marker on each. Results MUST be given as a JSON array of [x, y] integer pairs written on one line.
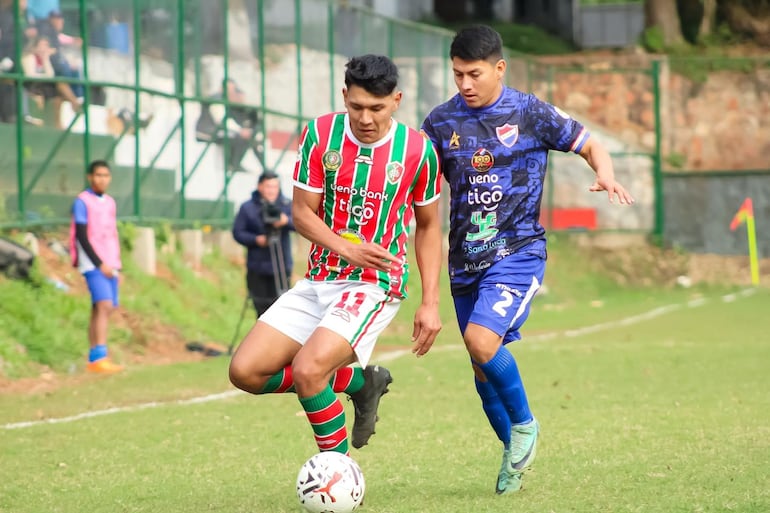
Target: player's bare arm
[[305, 206], [428, 251], [600, 161]]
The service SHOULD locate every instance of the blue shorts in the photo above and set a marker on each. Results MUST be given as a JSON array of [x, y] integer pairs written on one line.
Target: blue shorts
[[503, 296], [101, 287]]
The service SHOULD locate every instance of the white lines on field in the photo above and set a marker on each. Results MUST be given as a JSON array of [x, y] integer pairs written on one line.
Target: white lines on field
[[393, 355], [635, 319], [110, 411]]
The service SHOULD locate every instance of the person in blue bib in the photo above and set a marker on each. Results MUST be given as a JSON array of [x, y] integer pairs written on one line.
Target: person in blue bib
[[493, 144]]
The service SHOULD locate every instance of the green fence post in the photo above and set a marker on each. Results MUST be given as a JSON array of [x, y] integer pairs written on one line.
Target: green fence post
[[420, 78], [226, 97], [298, 44], [86, 89], [21, 203], [262, 80], [330, 36], [657, 157], [137, 85], [180, 83]]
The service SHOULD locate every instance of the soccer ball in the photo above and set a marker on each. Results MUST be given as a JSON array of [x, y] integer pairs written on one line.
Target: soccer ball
[[330, 482]]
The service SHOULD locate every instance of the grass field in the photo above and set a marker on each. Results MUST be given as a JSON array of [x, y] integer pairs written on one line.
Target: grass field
[[650, 401]]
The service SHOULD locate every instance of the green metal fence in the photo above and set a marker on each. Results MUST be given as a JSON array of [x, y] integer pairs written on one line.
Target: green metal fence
[[157, 62]]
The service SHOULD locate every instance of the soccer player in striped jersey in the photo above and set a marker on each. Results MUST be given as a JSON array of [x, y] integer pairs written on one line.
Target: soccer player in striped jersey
[[493, 144], [360, 179]]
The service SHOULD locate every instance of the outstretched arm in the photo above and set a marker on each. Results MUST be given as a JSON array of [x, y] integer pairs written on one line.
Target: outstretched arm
[[599, 159], [428, 250]]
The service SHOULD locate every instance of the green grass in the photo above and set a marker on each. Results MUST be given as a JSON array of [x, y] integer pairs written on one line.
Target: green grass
[[42, 325], [669, 414]]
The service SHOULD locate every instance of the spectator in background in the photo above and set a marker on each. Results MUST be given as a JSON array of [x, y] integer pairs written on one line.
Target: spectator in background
[[8, 62], [40, 9], [52, 28], [36, 63], [262, 223], [241, 128], [95, 251]]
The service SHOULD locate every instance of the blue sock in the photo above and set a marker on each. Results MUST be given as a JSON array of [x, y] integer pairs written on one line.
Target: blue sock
[[97, 353], [495, 410], [503, 373]]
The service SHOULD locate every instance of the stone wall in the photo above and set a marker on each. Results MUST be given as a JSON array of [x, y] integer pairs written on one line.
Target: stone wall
[[719, 121]]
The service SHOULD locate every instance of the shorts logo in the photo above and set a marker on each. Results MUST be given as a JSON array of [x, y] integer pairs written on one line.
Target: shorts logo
[[508, 134], [331, 160], [342, 314], [394, 170], [482, 161]]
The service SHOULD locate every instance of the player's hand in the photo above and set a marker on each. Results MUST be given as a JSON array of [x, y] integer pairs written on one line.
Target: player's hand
[[427, 324], [370, 256], [613, 189], [107, 270]]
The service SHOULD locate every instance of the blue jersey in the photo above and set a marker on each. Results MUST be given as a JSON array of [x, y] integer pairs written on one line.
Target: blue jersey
[[494, 159]]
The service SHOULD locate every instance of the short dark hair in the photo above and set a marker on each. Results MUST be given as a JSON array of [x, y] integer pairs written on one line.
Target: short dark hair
[[267, 175], [97, 163], [376, 74], [477, 43]]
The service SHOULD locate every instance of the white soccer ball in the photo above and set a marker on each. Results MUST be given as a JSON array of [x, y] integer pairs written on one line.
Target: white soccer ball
[[330, 482]]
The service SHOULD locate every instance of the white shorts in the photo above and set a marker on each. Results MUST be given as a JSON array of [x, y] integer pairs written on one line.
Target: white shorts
[[356, 311]]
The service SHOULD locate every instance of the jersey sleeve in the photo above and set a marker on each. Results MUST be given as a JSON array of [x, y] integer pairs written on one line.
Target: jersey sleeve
[[79, 211], [428, 131], [308, 171], [558, 129], [428, 186]]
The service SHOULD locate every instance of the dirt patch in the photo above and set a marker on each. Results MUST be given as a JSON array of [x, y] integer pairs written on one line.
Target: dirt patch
[[152, 342], [631, 261]]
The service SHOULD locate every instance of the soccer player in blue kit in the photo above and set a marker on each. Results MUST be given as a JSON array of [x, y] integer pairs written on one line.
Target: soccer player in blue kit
[[493, 144]]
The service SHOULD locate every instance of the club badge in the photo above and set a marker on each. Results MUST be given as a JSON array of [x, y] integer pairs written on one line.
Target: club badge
[[394, 171], [331, 160], [508, 134]]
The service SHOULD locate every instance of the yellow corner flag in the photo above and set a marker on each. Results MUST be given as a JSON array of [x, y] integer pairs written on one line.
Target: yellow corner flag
[[745, 214]]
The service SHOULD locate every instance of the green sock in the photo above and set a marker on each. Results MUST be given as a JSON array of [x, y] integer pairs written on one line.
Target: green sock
[[327, 418]]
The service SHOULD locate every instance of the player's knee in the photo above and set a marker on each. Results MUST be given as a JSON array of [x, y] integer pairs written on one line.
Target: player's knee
[[243, 376], [481, 351], [307, 376], [104, 307]]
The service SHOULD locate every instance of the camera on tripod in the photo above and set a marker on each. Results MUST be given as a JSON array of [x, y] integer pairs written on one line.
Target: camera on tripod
[[271, 213]]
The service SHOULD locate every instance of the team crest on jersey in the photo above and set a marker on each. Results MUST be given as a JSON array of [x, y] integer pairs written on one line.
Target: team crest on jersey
[[508, 134], [454, 141], [482, 161], [394, 170], [331, 160]]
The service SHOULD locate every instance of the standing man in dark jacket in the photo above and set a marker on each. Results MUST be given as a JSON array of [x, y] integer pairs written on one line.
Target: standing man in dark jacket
[[262, 225]]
